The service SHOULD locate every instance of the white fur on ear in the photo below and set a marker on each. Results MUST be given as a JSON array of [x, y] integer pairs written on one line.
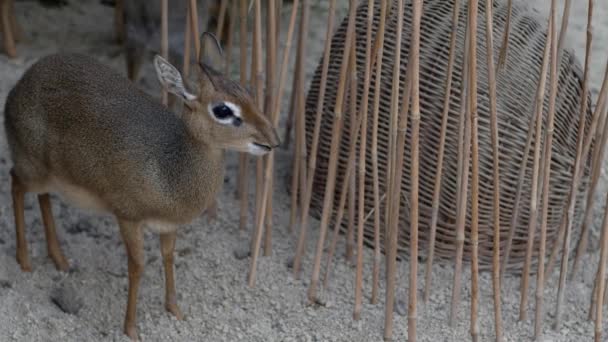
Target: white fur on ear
[[169, 77]]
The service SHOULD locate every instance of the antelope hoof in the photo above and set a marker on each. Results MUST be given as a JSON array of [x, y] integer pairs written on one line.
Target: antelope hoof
[[60, 262], [25, 264], [173, 309], [131, 332]]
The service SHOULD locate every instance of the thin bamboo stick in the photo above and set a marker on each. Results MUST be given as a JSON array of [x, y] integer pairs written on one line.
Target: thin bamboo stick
[[341, 204], [349, 236], [597, 166], [495, 172], [230, 38], [563, 30], [538, 319], [579, 160], [532, 218], [243, 188], [415, 53], [502, 58], [375, 122], [257, 72], [391, 254], [363, 161], [164, 41], [300, 103], [271, 56], [600, 279], [440, 153], [518, 194], [464, 143], [187, 45], [296, 190], [472, 98], [259, 97], [598, 162], [316, 130], [221, 18], [331, 173], [195, 34], [352, 194]]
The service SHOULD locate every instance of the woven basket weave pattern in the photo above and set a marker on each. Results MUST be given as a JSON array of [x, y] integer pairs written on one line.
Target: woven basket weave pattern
[[516, 87]]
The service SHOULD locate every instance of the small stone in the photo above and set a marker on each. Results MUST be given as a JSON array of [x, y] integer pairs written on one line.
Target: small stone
[[5, 284], [184, 251], [66, 298], [400, 307], [241, 253], [289, 263], [2, 242], [152, 259], [82, 226]]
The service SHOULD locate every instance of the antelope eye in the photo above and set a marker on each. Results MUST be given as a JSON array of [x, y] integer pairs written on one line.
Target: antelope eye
[[222, 112]]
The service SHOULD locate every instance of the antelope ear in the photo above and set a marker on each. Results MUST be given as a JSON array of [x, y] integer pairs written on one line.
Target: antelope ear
[[169, 77], [211, 52]]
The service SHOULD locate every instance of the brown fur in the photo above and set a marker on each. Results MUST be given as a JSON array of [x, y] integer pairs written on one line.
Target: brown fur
[[78, 127]]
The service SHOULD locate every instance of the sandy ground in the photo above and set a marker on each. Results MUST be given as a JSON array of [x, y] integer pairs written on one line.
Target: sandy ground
[[211, 280]]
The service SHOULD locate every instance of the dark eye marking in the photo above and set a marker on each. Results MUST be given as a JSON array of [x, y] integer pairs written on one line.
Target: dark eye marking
[[222, 112], [237, 121]]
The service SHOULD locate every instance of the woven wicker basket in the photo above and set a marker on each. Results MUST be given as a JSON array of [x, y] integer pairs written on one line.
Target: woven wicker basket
[[516, 86]]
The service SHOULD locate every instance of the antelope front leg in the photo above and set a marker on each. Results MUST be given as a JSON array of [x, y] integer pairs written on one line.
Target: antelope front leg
[[18, 192], [132, 236], [52, 244], [167, 246]]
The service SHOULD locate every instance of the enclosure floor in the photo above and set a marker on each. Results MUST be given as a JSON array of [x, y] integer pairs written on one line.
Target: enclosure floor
[[211, 282]]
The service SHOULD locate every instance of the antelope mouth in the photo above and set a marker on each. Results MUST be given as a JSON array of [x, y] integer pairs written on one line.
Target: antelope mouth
[[258, 149], [263, 147]]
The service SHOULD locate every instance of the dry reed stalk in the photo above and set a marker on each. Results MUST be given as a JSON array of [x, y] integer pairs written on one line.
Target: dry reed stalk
[[271, 56], [331, 173], [538, 114], [362, 161], [295, 185], [580, 159], [307, 192], [502, 58], [598, 162], [440, 153], [597, 170], [564, 29], [464, 142], [351, 211], [352, 161], [292, 109], [415, 52], [194, 24], [600, 278], [538, 319], [495, 172], [187, 45], [259, 97], [472, 98], [230, 38], [391, 248], [243, 187], [341, 204], [378, 53], [219, 32], [518, 194], [164, 41]]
